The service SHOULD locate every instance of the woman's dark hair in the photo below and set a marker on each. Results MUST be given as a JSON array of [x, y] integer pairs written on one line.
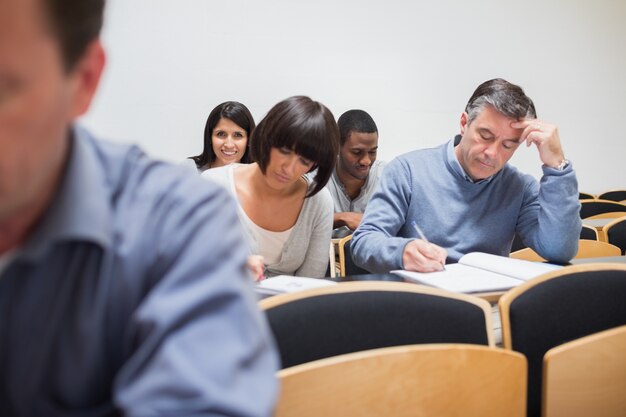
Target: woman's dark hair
[[304, 126], [236, 113], [75, 23]]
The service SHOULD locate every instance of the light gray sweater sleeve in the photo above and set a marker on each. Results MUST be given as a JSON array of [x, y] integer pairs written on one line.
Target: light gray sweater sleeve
[[318, 237]]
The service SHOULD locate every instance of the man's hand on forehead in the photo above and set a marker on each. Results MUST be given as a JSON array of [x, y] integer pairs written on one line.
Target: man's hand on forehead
[[545, 136]]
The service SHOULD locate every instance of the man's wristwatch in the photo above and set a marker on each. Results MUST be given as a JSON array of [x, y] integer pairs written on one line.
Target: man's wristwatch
[[564, 163]]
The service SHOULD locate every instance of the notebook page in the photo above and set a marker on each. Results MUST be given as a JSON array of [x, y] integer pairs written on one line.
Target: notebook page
[[285, 283], [461, 278], [516, 268]]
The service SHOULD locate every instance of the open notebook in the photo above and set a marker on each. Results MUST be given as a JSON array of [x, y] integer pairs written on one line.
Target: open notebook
[[286, 283], [480, 272]]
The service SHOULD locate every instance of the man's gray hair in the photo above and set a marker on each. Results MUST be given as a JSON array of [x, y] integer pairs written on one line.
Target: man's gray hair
[[508, 99]]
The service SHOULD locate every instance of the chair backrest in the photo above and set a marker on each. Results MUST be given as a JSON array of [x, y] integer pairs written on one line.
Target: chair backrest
[[615, 233], [590, 208], [585, 196], [346, 264], [588, 232], [517, 243], [557, 307], [586, 249], [586, 377], [425, 380], [614, 195], [607, 215], [354, 316]]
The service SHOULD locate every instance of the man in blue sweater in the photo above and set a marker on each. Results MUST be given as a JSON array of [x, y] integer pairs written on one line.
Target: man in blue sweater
[[465, 197]]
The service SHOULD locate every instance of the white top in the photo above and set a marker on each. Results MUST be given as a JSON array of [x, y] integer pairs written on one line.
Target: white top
[[270, 243], [305, 252]]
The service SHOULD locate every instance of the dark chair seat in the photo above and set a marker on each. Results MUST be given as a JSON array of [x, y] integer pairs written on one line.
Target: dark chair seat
[[614, 195], [558, 307], [355, 316], [592, 208], [615, 233]]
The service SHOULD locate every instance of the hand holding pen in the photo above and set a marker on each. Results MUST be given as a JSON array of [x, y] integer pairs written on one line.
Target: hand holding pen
[[421, 255], [256, 266]]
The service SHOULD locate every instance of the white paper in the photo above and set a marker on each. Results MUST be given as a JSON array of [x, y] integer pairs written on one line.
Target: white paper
[[516, 268], [480, 272], [286, 283]]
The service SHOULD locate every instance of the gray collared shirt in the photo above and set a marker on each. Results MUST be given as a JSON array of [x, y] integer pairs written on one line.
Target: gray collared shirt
[[125, 301], [342, 201]]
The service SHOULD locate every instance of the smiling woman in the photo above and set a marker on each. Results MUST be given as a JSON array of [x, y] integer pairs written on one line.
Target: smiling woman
[[287, 217], [226, 134]]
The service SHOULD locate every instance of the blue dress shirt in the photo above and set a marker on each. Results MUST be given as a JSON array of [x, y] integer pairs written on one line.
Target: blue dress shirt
[[131, 297]]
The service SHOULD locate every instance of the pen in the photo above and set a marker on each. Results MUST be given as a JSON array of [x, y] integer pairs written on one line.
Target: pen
[[419, 231], [421, 235]]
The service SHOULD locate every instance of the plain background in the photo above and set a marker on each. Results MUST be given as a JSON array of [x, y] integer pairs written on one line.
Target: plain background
[[411, 64]]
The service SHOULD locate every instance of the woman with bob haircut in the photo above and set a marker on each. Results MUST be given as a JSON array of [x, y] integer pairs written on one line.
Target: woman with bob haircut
[[226, 134], [287, 217]]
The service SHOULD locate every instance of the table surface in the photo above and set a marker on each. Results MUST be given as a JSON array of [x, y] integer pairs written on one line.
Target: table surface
[[607, 259], [491, 296], [597, 222]]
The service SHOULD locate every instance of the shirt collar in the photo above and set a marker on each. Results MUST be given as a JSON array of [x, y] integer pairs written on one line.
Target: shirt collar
[[80, 210], [454, 163]]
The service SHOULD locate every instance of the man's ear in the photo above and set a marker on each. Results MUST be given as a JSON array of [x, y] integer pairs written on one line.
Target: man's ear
[[464, 119], [86, 77]]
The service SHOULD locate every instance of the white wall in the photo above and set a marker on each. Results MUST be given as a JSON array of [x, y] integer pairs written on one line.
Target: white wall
[[411, 64]]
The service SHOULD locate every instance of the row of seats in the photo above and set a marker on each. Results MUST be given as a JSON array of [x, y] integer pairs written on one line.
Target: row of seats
[[581, 378], [612, 230], [601, 209], [413, 380], [586, 249], [541, 314], [613, 195]]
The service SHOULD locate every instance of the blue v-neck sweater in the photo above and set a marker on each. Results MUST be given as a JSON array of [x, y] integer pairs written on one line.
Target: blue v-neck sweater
[[430, 187]]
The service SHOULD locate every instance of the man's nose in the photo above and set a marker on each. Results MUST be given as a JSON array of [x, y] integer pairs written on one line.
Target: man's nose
[[491, 150]]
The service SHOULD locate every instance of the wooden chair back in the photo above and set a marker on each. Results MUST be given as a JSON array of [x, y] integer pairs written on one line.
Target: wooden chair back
[[586, 377], [558, 307], [607, 215], [590, 208], [614, 195], [346, 264], [586, 249], [424, 380], [585, 196], [615, 233], [589, 232]]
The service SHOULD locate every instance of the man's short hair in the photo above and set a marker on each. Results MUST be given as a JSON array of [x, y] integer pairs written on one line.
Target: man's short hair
[[355, 121], [75, 23], [508, 99], [304, 126]]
